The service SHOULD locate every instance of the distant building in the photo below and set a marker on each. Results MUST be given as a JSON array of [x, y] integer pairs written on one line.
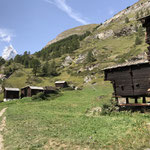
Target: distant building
[[50, 90], [29, 91], [11, 93], [61, 84]]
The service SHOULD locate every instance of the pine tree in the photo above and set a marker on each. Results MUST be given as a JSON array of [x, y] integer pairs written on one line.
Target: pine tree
[[138, 41], [136, 27], [126, 20], [141, 14], [52, 69], [90, 58], [45, 69], [36, 66], [140, 31], [2, 61], [137, 15]]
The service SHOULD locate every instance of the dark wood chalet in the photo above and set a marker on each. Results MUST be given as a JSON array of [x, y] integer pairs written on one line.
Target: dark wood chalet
[[50, 90], [11, 93], [130, 80], [29, 91], [61, 84]]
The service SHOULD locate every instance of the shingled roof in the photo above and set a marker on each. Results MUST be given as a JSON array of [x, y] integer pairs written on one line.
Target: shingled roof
[[127, 64], [12, 89], [34, 87]]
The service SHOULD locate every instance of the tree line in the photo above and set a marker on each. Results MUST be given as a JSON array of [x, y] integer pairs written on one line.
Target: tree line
[[67, 45]]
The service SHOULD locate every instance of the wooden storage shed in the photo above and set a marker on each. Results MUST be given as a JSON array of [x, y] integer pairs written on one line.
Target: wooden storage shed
[[11, 93], [130, 80], [61, 84], [29, 91], [50, 90]]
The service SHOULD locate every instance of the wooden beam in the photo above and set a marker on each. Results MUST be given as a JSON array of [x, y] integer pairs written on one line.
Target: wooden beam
[[127, 100], [117, 100], [136, 100], [146, 104], [144, 99]]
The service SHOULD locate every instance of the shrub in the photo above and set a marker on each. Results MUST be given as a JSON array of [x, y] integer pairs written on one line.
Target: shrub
[[126, 20], [1, 81], [19, 74], [140, 31], [40, 96], [107, 109], [138, 41], [90, 57], [137, 15]]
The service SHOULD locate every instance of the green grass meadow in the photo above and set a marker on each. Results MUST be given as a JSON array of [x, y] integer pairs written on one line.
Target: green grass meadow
[[64, 123]]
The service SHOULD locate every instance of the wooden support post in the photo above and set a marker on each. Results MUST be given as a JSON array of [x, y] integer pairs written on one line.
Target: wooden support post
[[117, 100], [136, 100], [144, 99], [127, 100]]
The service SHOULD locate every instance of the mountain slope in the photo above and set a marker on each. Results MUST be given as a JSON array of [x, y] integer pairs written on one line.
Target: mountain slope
[[77, 30], [110, 43]]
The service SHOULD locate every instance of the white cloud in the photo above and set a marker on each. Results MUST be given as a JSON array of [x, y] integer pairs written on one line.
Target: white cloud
[[5, 35], [61, 4]]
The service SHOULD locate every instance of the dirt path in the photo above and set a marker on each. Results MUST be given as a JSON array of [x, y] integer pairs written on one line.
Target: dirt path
[[2, 126]]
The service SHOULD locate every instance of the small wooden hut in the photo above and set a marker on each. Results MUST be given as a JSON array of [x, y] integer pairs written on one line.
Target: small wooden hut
[[29, 91], [11, 93], [50, 90], [61, 84], [130, 80]]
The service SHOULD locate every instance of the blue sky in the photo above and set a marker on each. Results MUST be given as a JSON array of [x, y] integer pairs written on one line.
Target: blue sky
[[30, 24]]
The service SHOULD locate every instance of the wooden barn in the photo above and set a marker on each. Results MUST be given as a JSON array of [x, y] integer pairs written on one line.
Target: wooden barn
[[50, 90], [61, 84], [29, 91], [11, 93], [132, 80]]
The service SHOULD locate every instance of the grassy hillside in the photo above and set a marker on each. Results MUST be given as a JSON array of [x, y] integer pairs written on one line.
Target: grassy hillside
[[72, 122]]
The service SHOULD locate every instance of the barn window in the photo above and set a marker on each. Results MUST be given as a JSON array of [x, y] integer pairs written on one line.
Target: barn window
[[122, 88], [137, 85]]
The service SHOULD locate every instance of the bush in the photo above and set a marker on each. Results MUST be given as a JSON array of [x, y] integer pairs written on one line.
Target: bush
[[1, 81], [40, 96], [138, 41], [90, 57], [137, 15], [126, 20], [107, 109]]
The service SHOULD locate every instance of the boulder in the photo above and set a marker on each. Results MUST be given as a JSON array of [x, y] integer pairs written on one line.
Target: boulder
[[68, 61], [80, 58], [104, 35]]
